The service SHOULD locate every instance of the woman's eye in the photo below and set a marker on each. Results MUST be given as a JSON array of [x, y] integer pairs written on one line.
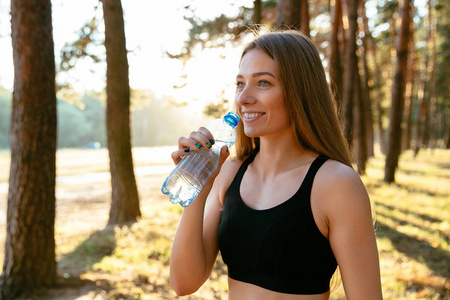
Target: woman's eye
[[239, 85], [264, 83]]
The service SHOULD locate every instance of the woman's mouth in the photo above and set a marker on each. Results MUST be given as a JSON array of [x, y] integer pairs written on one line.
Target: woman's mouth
[[251, 116]]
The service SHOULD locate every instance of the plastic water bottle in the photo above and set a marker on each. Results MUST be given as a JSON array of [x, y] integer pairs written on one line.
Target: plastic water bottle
[[187, 179]]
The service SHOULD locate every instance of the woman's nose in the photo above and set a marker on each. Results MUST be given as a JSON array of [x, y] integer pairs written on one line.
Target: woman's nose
[[245, 96]]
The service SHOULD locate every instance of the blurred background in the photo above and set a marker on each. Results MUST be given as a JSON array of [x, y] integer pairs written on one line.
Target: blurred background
[[388, 63], [183, 56]]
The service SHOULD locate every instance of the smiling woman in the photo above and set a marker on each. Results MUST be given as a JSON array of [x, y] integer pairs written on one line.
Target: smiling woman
[[284, 213]]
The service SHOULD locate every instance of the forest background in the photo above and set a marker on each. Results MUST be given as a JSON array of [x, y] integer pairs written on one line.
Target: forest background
[[395, 54]]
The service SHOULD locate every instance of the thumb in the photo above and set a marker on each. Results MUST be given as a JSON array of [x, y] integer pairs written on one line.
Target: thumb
[[224, 153]]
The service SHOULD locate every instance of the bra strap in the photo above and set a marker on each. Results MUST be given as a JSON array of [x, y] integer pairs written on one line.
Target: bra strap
[[311, 174]]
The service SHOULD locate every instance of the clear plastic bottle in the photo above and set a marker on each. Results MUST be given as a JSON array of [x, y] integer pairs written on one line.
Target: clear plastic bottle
[[187, 179]]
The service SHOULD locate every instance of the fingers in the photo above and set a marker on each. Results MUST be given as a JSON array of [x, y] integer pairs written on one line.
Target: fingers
[[203, 138], [196, 140], [178, 155]]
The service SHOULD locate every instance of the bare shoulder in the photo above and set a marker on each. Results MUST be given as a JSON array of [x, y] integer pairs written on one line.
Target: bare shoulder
[[336, 175], [340, 191], [226, 176], [229, 169]]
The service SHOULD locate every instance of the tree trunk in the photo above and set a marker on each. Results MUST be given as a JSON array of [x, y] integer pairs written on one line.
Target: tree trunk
[[423, 94], [30, 260], [335, 56], [433, 115], [411, 78], [376, 85], [125, 200], [349, 74], [366, 102], [257, 12], [447, 144], [304, 17], [398, 95], [360, 129], [293, 14]]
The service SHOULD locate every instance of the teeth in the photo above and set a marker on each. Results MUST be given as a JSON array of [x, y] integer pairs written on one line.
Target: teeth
[[252, 115]]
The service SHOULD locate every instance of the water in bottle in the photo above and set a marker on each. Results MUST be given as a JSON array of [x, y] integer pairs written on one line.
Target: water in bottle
[[187, 179]]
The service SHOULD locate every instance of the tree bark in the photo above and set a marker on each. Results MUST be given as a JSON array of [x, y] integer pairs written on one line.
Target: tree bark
[[360, 129], [398, 95], [304, 17], [125, 200], [335, 56], [423, 93], [370, 52], [433, 115], [30, 260], [366, 102], [409, 100], [447, 144], [293, 14], [349, 74], [257, 12]]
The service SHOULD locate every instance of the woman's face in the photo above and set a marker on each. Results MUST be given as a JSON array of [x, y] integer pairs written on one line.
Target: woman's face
[[259, 96]]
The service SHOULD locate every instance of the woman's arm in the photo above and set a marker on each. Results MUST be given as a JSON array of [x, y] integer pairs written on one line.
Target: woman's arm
[[194, 248], [195, 245], [351, 231]]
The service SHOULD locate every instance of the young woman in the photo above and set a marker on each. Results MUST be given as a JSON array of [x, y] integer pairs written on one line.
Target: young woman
[[290, 208]]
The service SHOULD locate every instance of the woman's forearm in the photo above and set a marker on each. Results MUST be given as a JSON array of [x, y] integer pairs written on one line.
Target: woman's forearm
[[188, 262]]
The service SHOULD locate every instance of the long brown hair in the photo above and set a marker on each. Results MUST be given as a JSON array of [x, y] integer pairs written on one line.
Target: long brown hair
[[309, 102]]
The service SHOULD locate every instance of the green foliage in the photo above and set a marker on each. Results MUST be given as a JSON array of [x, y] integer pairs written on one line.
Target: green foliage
[[214, 32], [89, 37], [77, 127]]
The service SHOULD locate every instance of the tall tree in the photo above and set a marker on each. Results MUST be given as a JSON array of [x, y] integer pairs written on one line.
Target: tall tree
[[125, 199], [293, 14], [370, 48], [366, 102], [398, 94], [335, 69], [351, 62], [361, 125], [29, 260], [257, 12], [409, 94], [423, 122], [304, 17]]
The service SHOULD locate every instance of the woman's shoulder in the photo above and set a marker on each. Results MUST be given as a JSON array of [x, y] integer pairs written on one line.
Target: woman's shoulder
[[229, 168], [334, 172], [226, 175], [338, 185]]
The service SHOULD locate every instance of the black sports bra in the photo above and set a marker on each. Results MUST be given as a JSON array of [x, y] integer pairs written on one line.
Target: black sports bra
[[281, 248]]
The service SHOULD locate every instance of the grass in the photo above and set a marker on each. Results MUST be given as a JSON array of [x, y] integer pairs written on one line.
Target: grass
[[413, 225], [132, 261]]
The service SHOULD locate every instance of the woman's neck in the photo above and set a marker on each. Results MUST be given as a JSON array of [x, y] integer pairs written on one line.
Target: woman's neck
[[280, 154]]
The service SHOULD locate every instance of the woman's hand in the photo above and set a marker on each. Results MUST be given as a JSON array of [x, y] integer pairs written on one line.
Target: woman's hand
[[197, 140]]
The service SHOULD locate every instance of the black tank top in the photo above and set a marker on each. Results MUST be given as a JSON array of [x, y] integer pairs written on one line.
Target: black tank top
[[279, 249]]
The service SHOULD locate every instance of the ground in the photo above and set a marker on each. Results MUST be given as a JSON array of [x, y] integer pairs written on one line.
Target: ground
[[96, 261]]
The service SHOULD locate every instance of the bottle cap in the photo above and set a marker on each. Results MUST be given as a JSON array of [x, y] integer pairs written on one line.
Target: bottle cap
[[232, 119]]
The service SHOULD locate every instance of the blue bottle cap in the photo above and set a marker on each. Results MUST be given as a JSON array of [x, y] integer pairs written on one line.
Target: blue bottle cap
[[232, 119]]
